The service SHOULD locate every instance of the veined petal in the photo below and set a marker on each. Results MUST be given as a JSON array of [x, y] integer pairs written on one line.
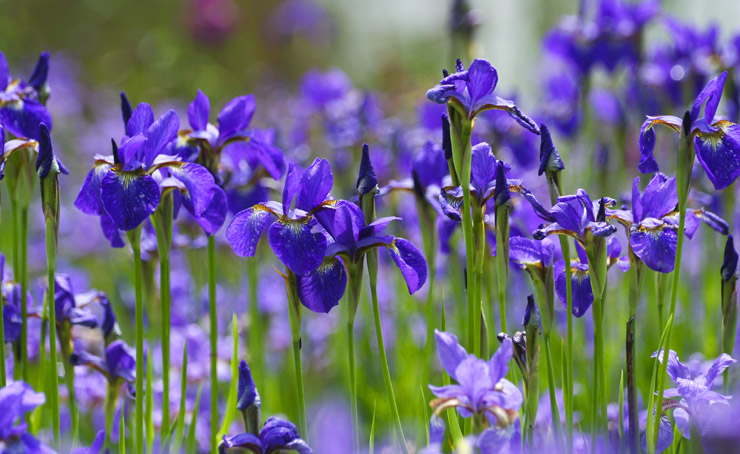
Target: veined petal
[[524, 251], [450, 201], [198, 111], [141, 118], [296, 245], [129, 197], [482, 79], [22, 118], [198, 182], [710, 94], [659, 198], [235, 116], [647, 140], [343, 223], [316, 182], [322, 289], [159, 135], [411, 263], [88, 200], [291, 186], [246, 228], [483, 167], [654, 242], [722, 362], [719, 153], [449, 351], [581, 285]]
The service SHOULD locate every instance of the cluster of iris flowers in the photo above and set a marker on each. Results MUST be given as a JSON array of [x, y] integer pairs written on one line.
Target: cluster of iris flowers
[[588, 375]]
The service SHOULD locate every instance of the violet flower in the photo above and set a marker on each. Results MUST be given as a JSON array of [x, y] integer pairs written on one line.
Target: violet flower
[[21, 102], [17, 399]]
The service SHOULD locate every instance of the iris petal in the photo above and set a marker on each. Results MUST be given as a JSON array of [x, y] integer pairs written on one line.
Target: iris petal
[[199, 111], [719, 154], [88, 200], [654, 243], [246, 228], [22, 118], [199, 184], [581, 286], [411, 263], [316, 182], [322, 289], [129, 197], [296, 245], [449, 351]]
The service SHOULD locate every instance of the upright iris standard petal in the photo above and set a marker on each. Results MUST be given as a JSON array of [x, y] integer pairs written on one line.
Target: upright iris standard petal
[[40, 72], [278, 434], [296, 245], [411, 263], [719, 153], [129, 197], [659, 198], [710, 95], [482, 168], [126, 110], [158, 135], [647, 163], [141, 119], [235, 116], [322, 289], [198, 111], [246, 228], [121, 361], [654, 242], [316, 182], [247, 394], [291, 186], [550, 159], [449, 351], [199, 184]]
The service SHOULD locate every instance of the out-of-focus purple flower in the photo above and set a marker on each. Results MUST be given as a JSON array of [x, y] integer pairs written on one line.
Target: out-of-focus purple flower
[[17, 399], [481, 387], [276, 435], [716, 141], [471, 91], [301, 19], [21, 103], [95, 448], [118, 366], [213, 21], [696, 403]]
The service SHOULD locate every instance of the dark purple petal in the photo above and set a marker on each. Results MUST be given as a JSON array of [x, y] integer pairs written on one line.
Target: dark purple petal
[[247, 394], [710, 94], [141, 118], [22, 118], [129, 197], [647, 140], [581, 286], [126, 110], [719, 153], [316, 182], [12, 322], [198, 111], [291, 186], [322, 289], [256, 152], [483, 168], [4, 72], [449, 351], [243, 440], [111, 231], [659, 198], [482, 79], [241, 198], [367, 181], [450, 201], [654, 242], [613, 248], [550, 159], [296, 245], [729, 262], [159, 135], [377, 226], [430, 165], [121, 361], [279, 434], [235, 116], [214, 215], [40, 72], [411, 263], [524, 251], [198, 182], [343, 222]]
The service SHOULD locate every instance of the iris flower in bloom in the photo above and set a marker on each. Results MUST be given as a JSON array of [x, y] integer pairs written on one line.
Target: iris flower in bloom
[[481, 387], [205, 141], [122, 189], [576, 216], [653, 221], [17, 399], [716, 140], [471, 92], [118, 366], [21, 106], [323, 288], [296, 238], [696, 403]]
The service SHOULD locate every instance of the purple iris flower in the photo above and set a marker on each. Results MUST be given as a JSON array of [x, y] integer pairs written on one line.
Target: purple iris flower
[[118, 365], [277, 435], [95, 448], [66, 307], [579, 276], [231, 136], [716, 140], [17, 399], [10, 302], [481, 387], [247, 394], [124, 189], [322, 289], [296, 238], [696, 403], [471, 91], [21, 107], [524, 252], [652, 223], [576, 215]]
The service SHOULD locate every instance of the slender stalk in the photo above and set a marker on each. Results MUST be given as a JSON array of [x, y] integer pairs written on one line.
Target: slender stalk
[[294, 312], [479, 237], [255, 323], [554, 411], [634, 296], [134, 237], [163, 227], [23, 223], [51, 254], [372, 268], [2, 344], [111, 396], [353, 300], [69, 375], [212, 315]]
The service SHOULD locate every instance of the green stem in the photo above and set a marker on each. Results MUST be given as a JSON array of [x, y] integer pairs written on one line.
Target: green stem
[[51, 254], [372, 266], [111, 396], [467, 222], [556, 425], [569, 400], [294, 313], [255, 323], [212, 315], [353, 383], [69, 374], [23, 222], [162, 220], [134, 237]]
